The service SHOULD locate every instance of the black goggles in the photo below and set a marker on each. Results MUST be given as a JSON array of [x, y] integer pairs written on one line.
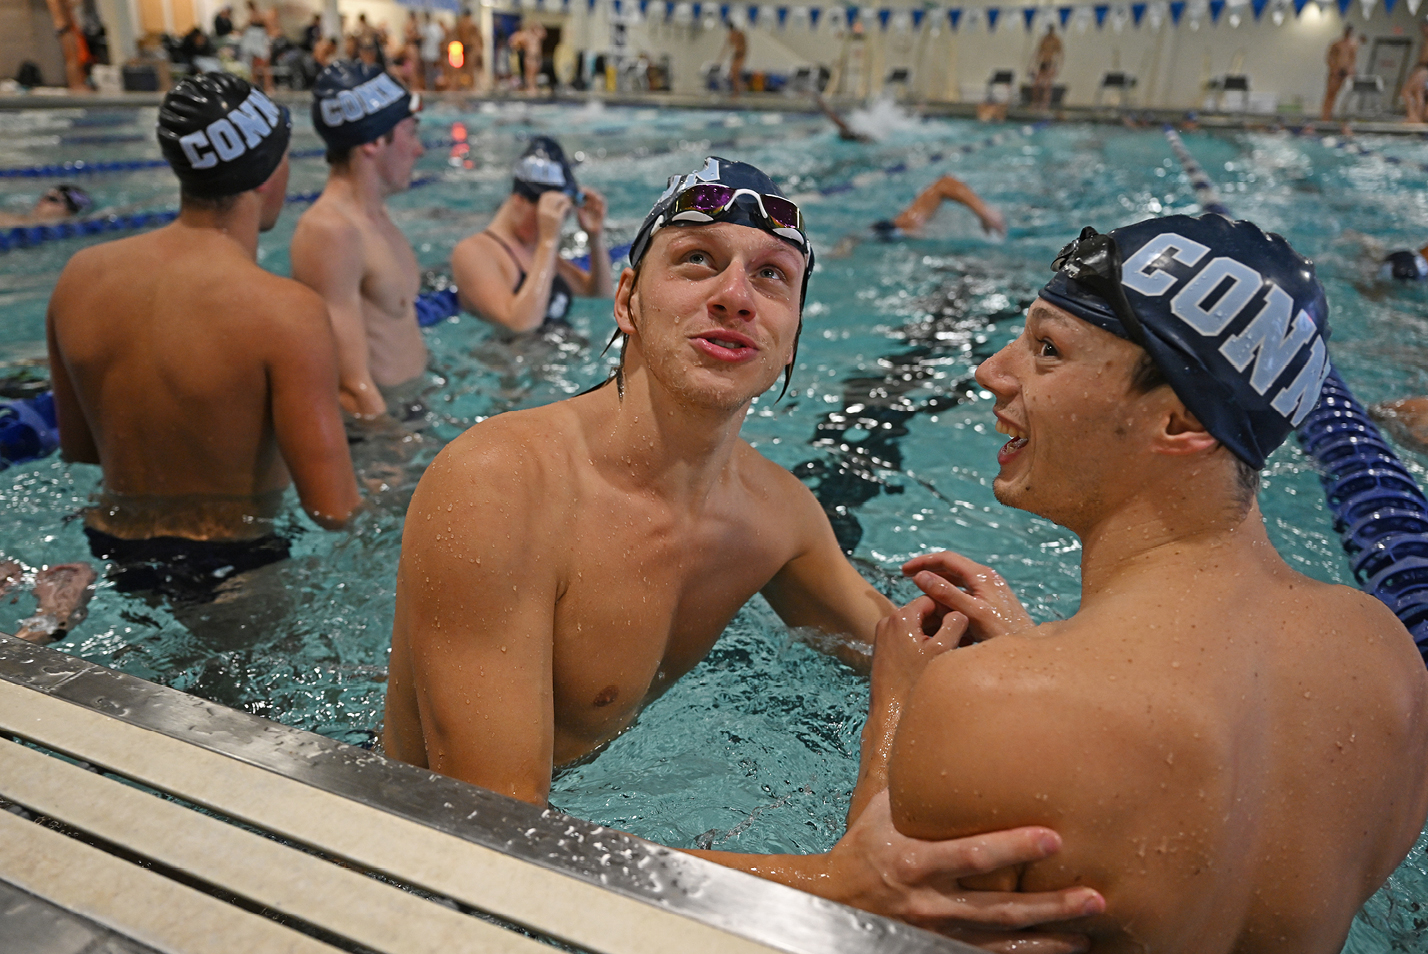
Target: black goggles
[[1094, 260], [707, 202]]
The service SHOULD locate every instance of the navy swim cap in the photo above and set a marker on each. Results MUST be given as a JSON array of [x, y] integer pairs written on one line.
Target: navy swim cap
[[1232, 316], [544, 168], [355, 103], [1404, 266], [222, 136], [76, 200]]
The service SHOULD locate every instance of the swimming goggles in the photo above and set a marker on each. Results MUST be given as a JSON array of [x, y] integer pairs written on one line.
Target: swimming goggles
[[708, 202], [1094, 260]]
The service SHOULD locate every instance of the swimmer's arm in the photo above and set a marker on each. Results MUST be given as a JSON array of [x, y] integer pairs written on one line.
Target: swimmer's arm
[[485, 276], [819, 588], [478, 614], [302, 380], [76, 439], [595, 283], [330, 260]]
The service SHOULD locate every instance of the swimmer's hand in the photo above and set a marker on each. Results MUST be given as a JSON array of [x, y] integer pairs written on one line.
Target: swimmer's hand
[[591, 213], [993, 222], [879, 869], [976, 591], [551, 210], [906, 641]]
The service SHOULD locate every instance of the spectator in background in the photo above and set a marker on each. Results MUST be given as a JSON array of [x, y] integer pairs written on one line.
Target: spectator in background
[[1414, 87], [472, 51], [223, 22], [433, 50], [257, 48], [737, 45], [1045, 66], [1343, 59], [312, 34], [325, 51]]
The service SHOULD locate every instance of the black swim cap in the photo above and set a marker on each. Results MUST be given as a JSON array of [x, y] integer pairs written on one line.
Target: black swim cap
[[76, 199], [1404, 266], [355, 103], [544, 168], [221, 136], [1232, 316]]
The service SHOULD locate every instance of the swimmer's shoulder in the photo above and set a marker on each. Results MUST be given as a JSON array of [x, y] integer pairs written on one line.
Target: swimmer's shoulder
[[521, 455]]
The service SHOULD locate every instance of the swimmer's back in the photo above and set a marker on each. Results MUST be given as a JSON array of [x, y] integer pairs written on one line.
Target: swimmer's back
[[179, 350], [1213, 757]]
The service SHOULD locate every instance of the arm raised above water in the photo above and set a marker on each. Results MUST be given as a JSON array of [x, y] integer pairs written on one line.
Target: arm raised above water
[[476, 597]]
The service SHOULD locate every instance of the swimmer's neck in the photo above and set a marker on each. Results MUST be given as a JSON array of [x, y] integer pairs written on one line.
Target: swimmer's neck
[[360, 185], [653, 440], [238, 222], [516, 218]]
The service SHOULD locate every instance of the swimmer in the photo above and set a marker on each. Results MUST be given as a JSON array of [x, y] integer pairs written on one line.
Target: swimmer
[[1204, 728], [845, 132], [736, 44], [200, 383], [563, 566], [1342, 59], [58, 204], [910, 221], [1415, 88], [346, 246], [1045, 65], [511, 274], [62, 595]]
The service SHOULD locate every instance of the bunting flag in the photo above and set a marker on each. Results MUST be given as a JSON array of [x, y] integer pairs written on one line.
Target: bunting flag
[[1368, 7], [1064, 15], [883, 16], [589, 6], [698, 11], [1299, 6], [617, 4], [917, 16], [1028, 15], [782, 14], [1344, 7], [1138, 12], [669, 9], [1258, 7], [724, 12], [753, 14], [993, 14], [850, 16], [1413, 7], [1101, 10], [1217, 7], [644, 5], [813, 14], [1177, 11], [1388, 5], [954, 17]]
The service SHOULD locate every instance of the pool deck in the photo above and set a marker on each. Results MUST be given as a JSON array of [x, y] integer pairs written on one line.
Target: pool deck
[[785, 103]]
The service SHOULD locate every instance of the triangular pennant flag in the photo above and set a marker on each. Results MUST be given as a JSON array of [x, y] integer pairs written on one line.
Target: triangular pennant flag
[[669, 9], [1100, 11], [1177, 10], [1344, 7], [850, 16], [698, 11], [954, 17], [992, 14], [1299, 6], [1028, 15], [1368, 7], [753, 15], [1217, 7], [644, 5], [617, 4], [1137, 13], [590, 5], [1388, 5], [917, 16], [813, 14], [1413, 8], [1258, 7], [724, 12], [883, 16], [782, 14], [1064, 15]]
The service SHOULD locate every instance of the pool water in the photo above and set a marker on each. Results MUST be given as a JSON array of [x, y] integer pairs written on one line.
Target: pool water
[[755, 750]]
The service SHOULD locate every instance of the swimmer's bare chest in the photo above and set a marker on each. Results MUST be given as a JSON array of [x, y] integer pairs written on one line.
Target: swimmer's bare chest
[[647, 597], [390, 280]]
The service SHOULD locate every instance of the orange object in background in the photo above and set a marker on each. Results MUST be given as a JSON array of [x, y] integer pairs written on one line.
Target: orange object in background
[[455, 55]]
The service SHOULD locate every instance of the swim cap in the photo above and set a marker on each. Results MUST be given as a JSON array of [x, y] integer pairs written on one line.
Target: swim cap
[[1404, 266], [746, 209], [76, 200], [544, 168], [1232, 316], [355, 103], [222, 136]]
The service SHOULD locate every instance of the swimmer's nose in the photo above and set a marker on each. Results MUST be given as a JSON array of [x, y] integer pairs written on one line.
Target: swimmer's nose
[[994, 374], [734, 296]]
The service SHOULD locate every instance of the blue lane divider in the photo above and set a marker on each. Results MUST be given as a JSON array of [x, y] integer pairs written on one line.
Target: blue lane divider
[[80, 167], [1355, 148], [864, 179], [1205, 193], [28, 236], [27, 429], [1379, 511]]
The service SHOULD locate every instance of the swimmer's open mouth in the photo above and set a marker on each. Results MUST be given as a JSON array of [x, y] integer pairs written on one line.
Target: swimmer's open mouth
[[725, 345], [1012, 447]]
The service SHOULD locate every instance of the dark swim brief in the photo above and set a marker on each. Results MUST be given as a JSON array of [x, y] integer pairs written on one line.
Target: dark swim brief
[[886, 231], [184, 570]]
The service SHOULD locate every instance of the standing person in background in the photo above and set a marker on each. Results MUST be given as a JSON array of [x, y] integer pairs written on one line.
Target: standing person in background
[[512, 274], [256, 47], [472, 51], [311, 34], [432, 49], [737, 45], [528, 41], [1414, 87], [1044, 67], [348, 249], [1342, 59], [223, 22], [411, 51]]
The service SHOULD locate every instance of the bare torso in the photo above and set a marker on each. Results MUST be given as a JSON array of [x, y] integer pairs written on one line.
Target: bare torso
[[390, 280], [163, 339], [1233, 753], [1048, 54]]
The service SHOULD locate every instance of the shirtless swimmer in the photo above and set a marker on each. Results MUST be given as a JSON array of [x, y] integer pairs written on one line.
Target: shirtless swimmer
[[347, 248], [201, 384], [562, 566]]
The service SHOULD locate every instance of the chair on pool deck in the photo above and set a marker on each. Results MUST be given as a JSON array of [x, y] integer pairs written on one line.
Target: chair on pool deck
[[253, 836], [1119, 82], [1365, 96], [999, 86]]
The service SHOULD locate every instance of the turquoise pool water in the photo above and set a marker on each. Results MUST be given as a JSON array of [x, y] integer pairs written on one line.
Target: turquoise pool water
[[757, 748]]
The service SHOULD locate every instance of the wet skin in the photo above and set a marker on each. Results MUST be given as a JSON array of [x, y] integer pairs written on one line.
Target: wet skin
[[1234, 753]]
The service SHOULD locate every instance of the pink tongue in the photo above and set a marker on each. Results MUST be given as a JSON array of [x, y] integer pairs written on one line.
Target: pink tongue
[[1015, 444]]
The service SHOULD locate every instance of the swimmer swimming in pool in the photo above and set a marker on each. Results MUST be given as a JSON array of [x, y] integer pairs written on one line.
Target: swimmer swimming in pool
[[511, 273], [563, 566], [200, 383], [346, 246], [911, 220], [1235, 754], [64, 201]]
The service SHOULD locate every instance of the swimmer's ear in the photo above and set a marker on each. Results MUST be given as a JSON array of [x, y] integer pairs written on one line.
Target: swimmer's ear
[[1180, 432], [623, 296]]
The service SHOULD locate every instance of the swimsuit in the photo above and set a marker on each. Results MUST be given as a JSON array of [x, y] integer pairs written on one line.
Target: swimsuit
[[887, 231], [560, 293], [186, 571]]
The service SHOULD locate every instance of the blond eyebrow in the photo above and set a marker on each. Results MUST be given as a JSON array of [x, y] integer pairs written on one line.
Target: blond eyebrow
[[1044, 312]]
